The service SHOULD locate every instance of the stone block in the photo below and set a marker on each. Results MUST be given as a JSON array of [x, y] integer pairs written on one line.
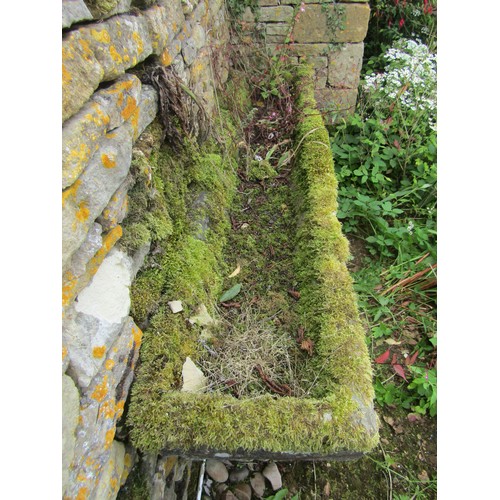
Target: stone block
[[312, 24], [345, 66], [336, 102], [74, 11], [279, 14], [70, 415]]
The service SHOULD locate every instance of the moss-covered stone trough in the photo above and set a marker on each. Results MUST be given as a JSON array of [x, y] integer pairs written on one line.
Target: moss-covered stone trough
[[335, 419]]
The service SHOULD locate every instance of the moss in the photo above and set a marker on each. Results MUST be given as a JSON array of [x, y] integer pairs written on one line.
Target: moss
[[197, 187], [101, 7], [261, 170]]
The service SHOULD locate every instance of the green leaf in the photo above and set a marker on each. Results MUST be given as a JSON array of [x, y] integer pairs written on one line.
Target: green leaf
[[231, 293], [281, 494]]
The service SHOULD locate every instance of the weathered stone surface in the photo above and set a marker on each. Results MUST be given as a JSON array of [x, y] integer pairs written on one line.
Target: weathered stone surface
[[81, 73], [345, 66], [280, 14], [258, 484], [339, 102], [90, 246], [164, 23], [101, 406], [116, 209], [85, 200], [73, 284], [310, 49], [312, 27], [102, 9], [272, 474], [320, 65], [243, 491], [264, 3], [109, 482], [92, 326], [70, 414], [217, 470], [106, 110], [239, 474], [74, 11], [193, 379]]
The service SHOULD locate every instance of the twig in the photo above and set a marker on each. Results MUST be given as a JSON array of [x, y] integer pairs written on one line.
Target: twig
[[411, 279]]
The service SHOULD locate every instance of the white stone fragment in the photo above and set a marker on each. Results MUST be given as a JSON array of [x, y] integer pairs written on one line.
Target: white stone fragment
[[192, 377], [175, 306]]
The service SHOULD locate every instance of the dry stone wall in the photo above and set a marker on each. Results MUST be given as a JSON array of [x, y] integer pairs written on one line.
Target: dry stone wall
[[106, 108], [302, 30]]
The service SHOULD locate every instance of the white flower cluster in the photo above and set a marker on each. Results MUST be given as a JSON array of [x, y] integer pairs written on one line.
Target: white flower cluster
[[410, 76]]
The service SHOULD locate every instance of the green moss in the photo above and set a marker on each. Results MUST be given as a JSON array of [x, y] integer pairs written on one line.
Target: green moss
[[197, 188], [101, 7], [261, 170]]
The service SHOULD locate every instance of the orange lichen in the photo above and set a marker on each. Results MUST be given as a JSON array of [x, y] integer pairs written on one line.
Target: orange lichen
[[82, 214], [109, 364], [165, 58], [87, 51], [82, 493], [127, 460], [81, 154], [107, 410], [101, 390], [134, 120], [138, 40], [110, 435], [100, 36], [64, 352], [81, 477], [119, 408], [130, 107], [70, 192], [99, 351], [108, 161], [137, 334], [113, 483], [68, 288], [115, 55], [66, 75]]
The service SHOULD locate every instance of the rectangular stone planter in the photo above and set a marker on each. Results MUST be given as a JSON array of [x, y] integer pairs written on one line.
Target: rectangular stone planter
[[338, 421]]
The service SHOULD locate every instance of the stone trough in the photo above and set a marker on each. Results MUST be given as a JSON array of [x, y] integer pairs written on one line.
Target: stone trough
[[337, 421]]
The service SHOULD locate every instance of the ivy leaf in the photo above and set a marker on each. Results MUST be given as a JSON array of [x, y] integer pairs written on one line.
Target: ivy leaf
[[383, 357], [400, 371], [231, 293]]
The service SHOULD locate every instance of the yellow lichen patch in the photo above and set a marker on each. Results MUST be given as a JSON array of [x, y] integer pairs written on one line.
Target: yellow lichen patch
[[81, 154], [66, 76], [165, 58], [100, 36], [108, 161], [111, 135], [129, 108], [137, 334], [82, 214], [196, 69], [70, 192], [109, 364], [113, 483], [101, 390], [115, 55], [99, 351], [87, 51], [110, 435], [82, 493], [119, 408], [134, 120], [68, 288], [138, 40], [64, 352], [107, 410], [81, 477]]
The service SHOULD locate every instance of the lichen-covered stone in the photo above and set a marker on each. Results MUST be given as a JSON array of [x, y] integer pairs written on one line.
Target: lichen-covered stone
[[164, 23], [81, 73], [85, 200], [92, 325], [312, 27], [74, 283], [112, 471], [107, 109], [339, 102], [70, 414], [345, 66], [101, 405], [74, 11], [116, 209]]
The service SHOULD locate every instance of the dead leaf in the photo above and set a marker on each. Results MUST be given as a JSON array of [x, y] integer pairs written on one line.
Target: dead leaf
[[235, 272], [327, 490], [383, 357], [294, 294], [300, 334], [410, 361], [400, 371], [414, 417], [228, 305], [392, 342], [389, 420], [307, 345]]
